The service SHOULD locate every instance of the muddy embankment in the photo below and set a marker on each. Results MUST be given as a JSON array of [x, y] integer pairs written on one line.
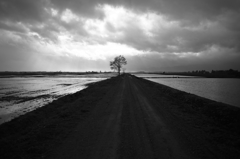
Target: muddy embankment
[[125, 117], [34, 134]]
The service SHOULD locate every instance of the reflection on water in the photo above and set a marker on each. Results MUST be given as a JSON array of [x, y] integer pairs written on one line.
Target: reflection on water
[[21, 95], [224, 90]]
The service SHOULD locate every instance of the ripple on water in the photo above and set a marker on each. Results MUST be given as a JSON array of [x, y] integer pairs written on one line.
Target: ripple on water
[[23, 95]]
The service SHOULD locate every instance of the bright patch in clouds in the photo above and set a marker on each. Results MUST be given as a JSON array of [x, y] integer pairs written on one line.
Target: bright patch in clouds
[[68, 16], [120, 18], [99, 31], [54, 12]]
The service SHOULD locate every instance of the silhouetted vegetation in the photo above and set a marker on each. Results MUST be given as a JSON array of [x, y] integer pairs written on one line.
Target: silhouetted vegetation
[[117, 63], [213, 74], [45, 73]]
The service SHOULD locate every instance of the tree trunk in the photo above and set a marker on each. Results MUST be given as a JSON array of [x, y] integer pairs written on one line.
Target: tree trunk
[[119, 71]]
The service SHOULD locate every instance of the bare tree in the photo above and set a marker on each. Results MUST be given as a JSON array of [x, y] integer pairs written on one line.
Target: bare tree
[[118, 63]]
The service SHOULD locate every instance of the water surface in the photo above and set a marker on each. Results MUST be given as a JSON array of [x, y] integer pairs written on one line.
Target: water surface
[[226, 90], [161, 76], [20, 95]]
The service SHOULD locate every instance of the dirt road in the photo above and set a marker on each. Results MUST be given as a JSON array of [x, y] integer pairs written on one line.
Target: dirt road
[[126, 118], [127, 123], [124, 125]]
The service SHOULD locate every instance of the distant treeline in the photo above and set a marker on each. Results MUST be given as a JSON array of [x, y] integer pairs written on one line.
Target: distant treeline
[[48, 73], [212, 74]]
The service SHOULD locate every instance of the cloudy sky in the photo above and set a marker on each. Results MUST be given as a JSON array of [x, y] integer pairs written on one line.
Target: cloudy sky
[[154, 35]]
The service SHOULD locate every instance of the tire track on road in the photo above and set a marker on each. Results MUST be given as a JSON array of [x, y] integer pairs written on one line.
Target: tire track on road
[[164, 143]]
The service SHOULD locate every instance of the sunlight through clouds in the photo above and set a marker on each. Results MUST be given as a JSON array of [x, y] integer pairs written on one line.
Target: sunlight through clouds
[[117, 17], [67, 16], [99, 30]]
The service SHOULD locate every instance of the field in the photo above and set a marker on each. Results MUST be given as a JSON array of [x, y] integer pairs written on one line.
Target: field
[[20, 94]]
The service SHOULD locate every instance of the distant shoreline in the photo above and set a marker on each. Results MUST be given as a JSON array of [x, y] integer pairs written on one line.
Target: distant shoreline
[[203, 73], [52, 74], [198, 73], [49, 73]]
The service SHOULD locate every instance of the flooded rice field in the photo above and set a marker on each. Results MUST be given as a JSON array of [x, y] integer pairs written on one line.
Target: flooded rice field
[[149, 75], [19, 95], [224, 90]]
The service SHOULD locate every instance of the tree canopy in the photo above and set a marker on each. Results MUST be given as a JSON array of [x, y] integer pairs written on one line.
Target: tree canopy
[[118, 63]]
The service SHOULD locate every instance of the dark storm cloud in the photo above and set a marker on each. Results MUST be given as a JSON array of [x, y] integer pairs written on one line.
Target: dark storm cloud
[[179, 39], [12, 27], [187, 11], [190, 11], [197, 27], [25, 16], [86, 8], [193, 13], [222, 16], [22, 10]]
